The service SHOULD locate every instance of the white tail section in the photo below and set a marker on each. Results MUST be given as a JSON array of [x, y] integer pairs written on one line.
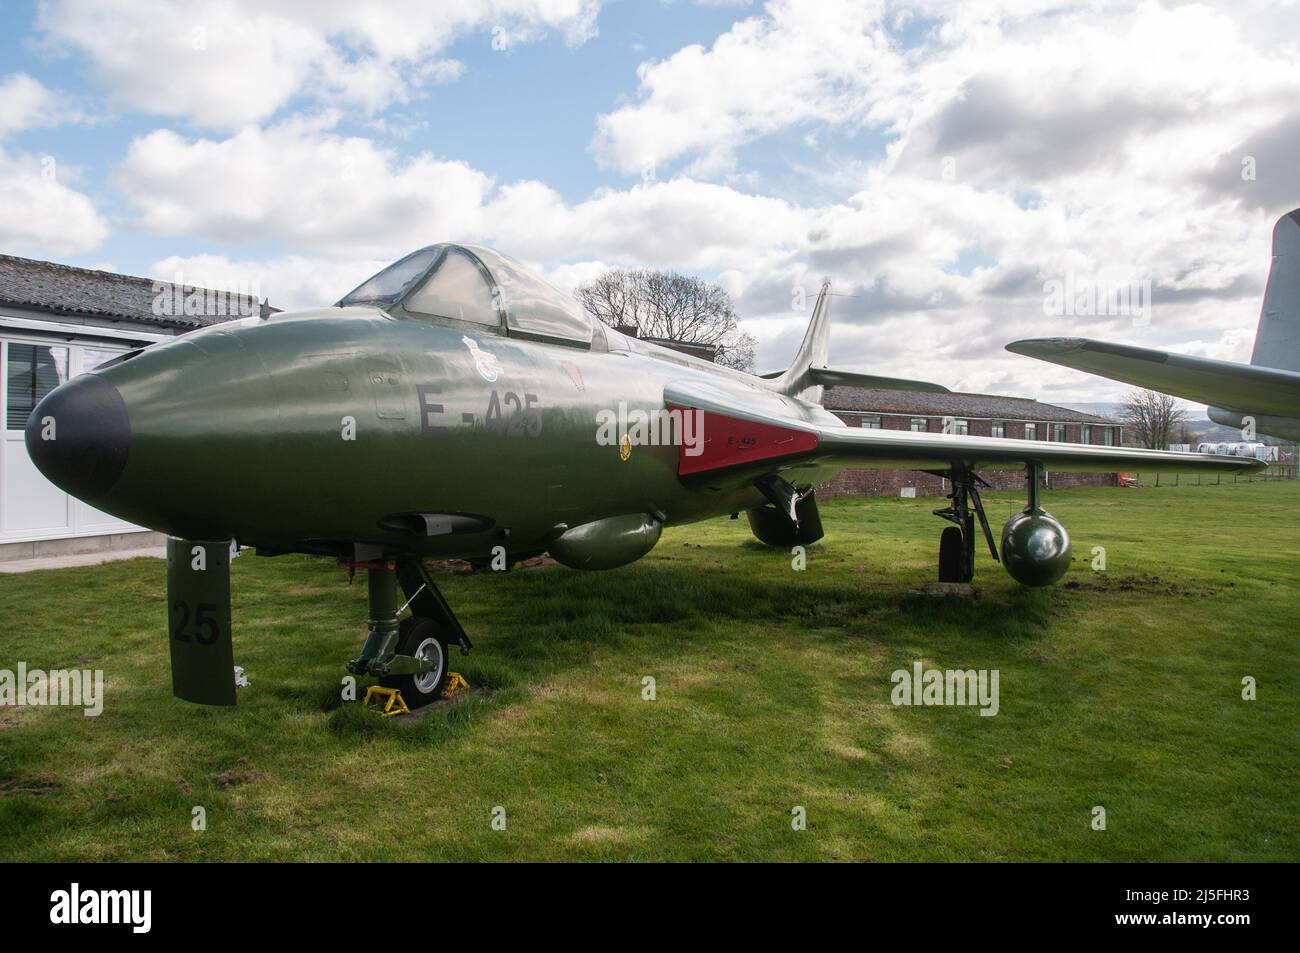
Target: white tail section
[[1277, 340]]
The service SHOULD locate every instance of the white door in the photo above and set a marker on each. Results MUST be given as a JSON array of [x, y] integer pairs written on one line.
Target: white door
[[30, 505]]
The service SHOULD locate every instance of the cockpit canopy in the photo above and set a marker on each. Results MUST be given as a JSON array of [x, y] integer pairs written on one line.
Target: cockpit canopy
[[479, 286]]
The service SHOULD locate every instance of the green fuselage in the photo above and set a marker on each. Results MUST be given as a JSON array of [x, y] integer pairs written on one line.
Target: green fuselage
[[306, 430]]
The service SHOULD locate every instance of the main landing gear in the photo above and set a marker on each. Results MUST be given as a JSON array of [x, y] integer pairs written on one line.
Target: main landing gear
[[1035, 547], [957, 543], [411, 655]]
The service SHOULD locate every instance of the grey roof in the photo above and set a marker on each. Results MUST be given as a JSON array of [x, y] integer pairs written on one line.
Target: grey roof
[[63, 289], [877, 400]]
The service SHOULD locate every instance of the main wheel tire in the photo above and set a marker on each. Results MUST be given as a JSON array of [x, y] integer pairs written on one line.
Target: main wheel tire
[[418, 637], [951, 554]]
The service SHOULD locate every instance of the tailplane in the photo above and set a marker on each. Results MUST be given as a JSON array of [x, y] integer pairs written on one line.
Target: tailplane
[[808, 373], [1277, 340]]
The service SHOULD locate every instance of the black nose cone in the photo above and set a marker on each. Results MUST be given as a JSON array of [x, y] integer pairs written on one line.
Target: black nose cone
[[79, 435]]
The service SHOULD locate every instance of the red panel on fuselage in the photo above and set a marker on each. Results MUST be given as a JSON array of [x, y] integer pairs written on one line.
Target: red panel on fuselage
[[730, 442]]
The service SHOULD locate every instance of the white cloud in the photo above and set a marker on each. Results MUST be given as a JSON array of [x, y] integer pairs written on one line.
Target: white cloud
[[567, 277], [223, 63], [26, 103], [39, 214], [796, 63], [303, 185], [681, 223], [1010, 93]]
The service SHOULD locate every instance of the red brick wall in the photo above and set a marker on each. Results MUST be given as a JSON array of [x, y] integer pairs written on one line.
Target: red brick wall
[[890, 482]]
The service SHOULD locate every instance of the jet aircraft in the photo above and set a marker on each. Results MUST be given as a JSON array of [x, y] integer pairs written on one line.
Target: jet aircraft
[[1262, 396], [457, 405]]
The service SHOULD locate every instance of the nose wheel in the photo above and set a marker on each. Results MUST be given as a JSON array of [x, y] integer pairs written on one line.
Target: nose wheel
[[418, 638]]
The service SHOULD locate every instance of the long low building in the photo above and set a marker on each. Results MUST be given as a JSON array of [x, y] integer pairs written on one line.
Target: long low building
[[58, 321], [978, 415]]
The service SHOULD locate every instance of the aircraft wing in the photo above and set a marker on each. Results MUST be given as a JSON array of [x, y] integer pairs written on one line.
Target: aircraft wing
[[1243, 387], [744, 442]]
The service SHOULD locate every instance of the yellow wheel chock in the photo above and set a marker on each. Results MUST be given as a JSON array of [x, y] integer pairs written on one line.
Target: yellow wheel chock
[[455, 685], [395, 704]]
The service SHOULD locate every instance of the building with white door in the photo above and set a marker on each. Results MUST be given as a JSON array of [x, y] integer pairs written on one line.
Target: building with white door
[[57, 321]]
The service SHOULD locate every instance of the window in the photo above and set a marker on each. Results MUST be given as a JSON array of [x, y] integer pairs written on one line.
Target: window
[[918, 425], [532, 306], [961, 427], [1085, 434], [1058, 433], [34, 371], [998, 428], [387, 286], [1108, 436], [1031, 431], [457, 290], [869, 421]]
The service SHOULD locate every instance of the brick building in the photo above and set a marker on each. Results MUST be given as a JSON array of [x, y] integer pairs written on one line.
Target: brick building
[[979, 415]]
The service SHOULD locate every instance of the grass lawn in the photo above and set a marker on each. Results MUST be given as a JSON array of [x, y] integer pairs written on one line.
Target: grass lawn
[[1119, 689]]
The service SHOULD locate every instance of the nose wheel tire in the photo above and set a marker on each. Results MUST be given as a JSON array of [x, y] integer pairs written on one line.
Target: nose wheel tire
[[418, 637]]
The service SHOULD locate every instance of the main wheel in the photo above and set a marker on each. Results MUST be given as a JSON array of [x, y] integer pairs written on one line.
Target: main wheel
[[952, 551], [418, 637]]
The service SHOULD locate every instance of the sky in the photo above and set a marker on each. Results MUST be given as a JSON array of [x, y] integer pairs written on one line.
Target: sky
[[964, 174]]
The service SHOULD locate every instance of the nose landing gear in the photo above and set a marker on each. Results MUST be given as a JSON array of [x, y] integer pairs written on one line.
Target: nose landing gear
[[411, 655]]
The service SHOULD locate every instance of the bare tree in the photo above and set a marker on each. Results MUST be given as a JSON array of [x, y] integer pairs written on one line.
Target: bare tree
[[665, 304], [1153, 418]]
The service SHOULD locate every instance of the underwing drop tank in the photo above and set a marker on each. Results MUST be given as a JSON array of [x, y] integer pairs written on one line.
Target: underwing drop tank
[[608, 543], [1035, 547]]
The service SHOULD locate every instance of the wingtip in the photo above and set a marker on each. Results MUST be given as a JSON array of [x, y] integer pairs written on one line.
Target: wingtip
[[1037, 347]]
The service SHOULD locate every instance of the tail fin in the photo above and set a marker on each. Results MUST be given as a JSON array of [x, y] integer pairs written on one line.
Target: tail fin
[[797, 382], [1277, 340]]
